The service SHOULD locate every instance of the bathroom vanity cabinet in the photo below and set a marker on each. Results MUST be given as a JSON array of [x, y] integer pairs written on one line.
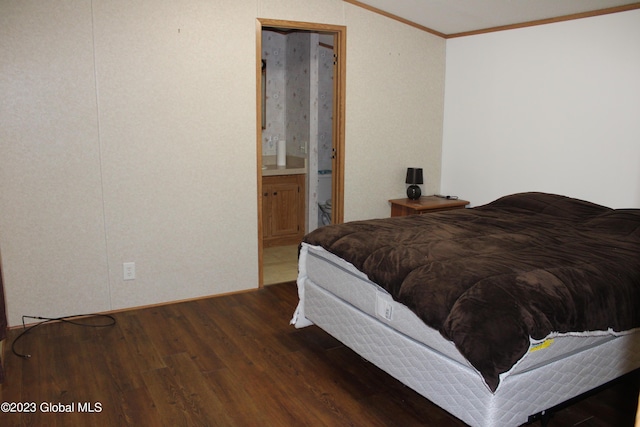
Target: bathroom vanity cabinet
[[283, 210]]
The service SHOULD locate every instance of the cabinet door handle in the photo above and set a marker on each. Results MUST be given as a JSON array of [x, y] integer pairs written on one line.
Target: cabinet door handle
[[266, 194], [275, 193]]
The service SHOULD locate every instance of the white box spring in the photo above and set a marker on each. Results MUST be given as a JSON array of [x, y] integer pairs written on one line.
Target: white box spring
[[345, 303]]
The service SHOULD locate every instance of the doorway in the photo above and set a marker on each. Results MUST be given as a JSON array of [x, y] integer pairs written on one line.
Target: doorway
[[328, 40]]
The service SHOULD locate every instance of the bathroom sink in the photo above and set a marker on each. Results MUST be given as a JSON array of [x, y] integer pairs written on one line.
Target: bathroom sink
[[294, 166]]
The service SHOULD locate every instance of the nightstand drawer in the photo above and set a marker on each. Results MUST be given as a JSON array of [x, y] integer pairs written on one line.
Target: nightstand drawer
[[426, 204]]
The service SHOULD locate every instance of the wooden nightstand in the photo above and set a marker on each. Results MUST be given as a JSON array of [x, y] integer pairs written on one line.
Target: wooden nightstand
[[425, 204]]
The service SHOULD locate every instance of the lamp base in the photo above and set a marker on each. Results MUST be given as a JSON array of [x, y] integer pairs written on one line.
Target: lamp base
[[414, 192]]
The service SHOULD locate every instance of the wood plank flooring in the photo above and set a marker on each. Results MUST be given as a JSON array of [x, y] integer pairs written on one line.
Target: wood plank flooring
[[229, 361]]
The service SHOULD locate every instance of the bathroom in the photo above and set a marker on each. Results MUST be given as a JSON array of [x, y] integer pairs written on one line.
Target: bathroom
[[298, 112], [297, 134]]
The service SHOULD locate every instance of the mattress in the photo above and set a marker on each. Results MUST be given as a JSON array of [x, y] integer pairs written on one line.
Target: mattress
[[343, 301], [491, 277]]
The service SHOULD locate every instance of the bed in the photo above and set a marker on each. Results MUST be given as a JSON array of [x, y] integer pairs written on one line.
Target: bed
[[495, 313]]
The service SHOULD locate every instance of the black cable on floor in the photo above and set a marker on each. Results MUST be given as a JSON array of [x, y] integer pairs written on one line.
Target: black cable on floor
[[110, 321]]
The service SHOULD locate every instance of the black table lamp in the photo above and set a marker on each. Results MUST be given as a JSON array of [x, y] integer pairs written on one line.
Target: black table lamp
[[414, 177]]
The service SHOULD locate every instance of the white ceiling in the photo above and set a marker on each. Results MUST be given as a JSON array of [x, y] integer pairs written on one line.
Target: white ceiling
[[458, 16]]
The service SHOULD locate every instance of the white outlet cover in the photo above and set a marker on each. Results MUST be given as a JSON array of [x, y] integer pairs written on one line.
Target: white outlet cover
[[129, 270]]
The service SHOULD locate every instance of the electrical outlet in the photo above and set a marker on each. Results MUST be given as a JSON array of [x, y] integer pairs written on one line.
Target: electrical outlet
[[129, 269]]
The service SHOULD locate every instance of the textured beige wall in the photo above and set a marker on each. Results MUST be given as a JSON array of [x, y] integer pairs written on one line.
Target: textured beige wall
[[395, 98], [52, 230], [176, 86], [318, 11], [127, 133]]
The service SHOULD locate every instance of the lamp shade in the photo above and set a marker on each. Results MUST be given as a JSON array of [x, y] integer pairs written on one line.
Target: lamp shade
[[414, 176]]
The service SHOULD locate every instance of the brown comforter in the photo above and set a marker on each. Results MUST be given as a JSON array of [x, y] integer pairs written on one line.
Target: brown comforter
[[491, 277]]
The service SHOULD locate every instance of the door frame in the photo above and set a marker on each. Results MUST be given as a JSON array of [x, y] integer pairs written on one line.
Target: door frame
[[339, 33]]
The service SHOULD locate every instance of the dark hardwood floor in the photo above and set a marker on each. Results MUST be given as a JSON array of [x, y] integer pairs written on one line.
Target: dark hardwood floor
[[229, 361]]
